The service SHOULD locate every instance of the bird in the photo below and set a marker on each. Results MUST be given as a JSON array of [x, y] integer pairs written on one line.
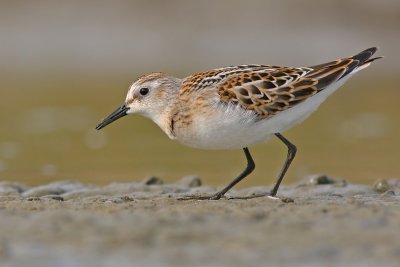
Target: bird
[[236, 107]]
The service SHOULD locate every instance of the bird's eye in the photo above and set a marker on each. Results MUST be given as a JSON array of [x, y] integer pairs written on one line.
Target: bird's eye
[[144, 91]]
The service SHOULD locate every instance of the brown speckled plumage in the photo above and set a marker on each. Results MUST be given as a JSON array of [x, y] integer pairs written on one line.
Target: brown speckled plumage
[[268, 90]]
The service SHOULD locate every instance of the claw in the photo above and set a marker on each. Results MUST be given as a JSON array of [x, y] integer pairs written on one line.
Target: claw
[[194, 197], [218, 196]]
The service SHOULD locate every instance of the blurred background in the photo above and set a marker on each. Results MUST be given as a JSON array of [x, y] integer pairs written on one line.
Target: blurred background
[[65, 65]]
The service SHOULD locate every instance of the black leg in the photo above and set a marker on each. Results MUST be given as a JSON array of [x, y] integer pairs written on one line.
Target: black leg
[[250, 167], [290, 156]]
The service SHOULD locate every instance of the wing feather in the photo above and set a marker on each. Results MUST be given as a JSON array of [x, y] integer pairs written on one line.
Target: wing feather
[[268, 90]]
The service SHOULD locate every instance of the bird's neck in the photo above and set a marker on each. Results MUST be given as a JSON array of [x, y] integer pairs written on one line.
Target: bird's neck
[[164, 118]]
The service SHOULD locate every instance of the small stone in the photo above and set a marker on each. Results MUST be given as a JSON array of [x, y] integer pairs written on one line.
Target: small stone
[[127, 198], [152, 180], [321, 179], [287, 200], [56, 188], [33, 199], [115, 200], [53, 197], [13, 186], [37, 192], [59, 198], [190, 181], [381, 186]]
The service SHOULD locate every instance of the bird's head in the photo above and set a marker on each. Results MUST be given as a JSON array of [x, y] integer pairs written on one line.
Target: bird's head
[[149, 96]]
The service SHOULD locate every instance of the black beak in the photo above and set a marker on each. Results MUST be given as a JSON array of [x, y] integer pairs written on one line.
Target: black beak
[[118, 113]]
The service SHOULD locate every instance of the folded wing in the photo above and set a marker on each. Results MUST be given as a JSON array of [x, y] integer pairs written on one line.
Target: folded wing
[[267, 90]]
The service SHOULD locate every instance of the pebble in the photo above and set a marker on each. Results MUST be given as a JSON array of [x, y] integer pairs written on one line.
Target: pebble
[[152, 187], [381, 186], [190, 181], [7, 186], [56, 188], [321, 179], [53, 197], [152, 180]]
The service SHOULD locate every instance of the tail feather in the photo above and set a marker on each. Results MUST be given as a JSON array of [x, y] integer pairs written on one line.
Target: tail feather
[[361, 60], [363, 56], [372, 59], [333, 71]]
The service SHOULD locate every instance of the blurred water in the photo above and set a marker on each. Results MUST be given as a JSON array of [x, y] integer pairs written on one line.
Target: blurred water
[[52, 119], [366, 125], [3, 166], [95, 139], [122, 35]]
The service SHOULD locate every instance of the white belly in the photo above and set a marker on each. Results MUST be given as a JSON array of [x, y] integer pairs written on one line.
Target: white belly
[[232, 127]]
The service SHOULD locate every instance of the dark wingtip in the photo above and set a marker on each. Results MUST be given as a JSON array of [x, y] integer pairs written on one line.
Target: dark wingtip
[[361, 59], [373, 59], [363, 56]]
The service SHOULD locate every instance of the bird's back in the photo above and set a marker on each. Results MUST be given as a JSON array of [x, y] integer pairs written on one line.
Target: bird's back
[[241, 105]]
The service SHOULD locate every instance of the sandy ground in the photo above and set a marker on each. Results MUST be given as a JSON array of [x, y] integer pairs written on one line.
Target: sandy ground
[[328, 223]]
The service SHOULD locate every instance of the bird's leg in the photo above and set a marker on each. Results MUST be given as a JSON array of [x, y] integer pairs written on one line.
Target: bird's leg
[[289, 158], [250, 167]]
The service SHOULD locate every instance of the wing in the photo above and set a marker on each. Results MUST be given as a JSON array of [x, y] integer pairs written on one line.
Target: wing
[[267, 90]]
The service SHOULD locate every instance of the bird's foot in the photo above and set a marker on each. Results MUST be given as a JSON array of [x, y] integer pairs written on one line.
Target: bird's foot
[[268, 195], [220, 195], [203, 197]]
